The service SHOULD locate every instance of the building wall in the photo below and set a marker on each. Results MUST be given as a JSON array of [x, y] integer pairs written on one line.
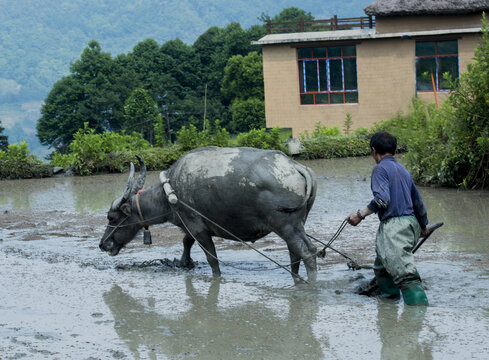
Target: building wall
[[396, 24], [386, 85]]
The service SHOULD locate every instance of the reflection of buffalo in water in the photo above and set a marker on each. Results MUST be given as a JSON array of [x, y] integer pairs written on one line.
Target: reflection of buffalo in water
[[207, 331]]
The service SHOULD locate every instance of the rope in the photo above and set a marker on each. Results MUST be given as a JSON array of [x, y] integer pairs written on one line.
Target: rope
[[235, 237]]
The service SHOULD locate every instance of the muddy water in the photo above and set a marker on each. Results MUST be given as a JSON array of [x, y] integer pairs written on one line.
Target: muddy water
[[60, 297]]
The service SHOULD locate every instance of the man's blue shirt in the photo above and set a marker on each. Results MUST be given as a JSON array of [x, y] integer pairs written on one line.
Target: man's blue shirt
[[395, 193]]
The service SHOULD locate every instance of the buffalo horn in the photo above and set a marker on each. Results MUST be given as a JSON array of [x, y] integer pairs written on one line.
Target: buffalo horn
[[142, 176], [130, 184]]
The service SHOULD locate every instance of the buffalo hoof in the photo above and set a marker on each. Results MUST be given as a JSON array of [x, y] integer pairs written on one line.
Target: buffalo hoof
[[187, 263]]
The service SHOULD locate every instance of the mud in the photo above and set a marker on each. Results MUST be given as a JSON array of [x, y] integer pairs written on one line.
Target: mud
[[61, 297]]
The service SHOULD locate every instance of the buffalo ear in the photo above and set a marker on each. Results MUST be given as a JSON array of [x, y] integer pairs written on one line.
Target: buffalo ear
[[126, 209]]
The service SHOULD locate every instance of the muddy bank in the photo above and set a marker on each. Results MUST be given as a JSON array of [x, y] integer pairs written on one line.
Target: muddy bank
[[63, 298]]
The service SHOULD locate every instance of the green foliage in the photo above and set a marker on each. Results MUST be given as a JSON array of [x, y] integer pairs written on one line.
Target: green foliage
[[18, 163], [328, 147], [190, 138], [248, 114], [450, 145], [141, 114], [347, 124], [92, 153], [159, 131], [262, 139], [422, 132], [321, 130], [468, 125], [3, 139]]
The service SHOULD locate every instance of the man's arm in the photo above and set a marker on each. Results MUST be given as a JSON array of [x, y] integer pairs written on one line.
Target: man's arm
[[356, 217]]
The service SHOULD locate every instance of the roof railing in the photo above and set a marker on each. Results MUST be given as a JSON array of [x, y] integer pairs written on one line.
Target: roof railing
[[331, 24]]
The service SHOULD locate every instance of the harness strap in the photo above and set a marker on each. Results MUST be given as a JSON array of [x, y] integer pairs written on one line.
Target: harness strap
[[140, 214]]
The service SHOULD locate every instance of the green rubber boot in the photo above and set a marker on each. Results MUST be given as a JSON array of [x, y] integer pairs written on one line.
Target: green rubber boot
[[415, 295], [387, 286]]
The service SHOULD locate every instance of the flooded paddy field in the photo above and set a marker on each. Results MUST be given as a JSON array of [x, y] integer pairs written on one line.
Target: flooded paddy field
[[62, 298]]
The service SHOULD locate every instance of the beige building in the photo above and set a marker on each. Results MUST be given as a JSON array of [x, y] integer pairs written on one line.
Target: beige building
[[370, 73]]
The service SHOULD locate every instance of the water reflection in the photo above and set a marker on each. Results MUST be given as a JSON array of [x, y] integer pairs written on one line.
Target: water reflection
[[250, 330], [399, 335]]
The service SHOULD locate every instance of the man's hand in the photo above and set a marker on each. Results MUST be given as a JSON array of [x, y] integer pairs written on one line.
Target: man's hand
[[354, 218], [424, 232]]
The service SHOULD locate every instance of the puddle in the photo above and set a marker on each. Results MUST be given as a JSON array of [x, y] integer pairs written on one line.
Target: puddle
[[63, 298]]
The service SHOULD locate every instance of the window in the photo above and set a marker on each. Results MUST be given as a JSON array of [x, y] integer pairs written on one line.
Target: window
[[328, 75], [435, 58]]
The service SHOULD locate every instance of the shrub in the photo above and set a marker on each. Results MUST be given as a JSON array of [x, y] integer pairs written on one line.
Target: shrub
[[190, 138], [18, 163], [262, 139], [328, 147], [92, 153]]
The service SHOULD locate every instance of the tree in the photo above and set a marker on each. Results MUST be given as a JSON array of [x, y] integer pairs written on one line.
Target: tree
[[248, 114], [141, 114], [468, 158], [242, 86], [92, 93], [288, 14], [3, 139]]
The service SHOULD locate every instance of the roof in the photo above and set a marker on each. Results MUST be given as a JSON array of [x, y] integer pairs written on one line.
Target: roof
[[352, 35], [426, 7]]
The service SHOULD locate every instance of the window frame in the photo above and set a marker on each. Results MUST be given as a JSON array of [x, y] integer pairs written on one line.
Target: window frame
[[436, 56], [328, 80]]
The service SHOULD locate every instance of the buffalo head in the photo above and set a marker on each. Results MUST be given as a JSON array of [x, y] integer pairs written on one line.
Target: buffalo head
[[124, 222]]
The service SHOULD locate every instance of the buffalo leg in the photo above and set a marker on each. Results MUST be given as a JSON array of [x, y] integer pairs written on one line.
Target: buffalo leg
[[207, 245], [186, 260], [295, 262], [300, 245]]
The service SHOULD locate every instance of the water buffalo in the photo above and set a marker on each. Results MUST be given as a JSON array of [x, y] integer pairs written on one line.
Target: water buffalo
[[246, 191]]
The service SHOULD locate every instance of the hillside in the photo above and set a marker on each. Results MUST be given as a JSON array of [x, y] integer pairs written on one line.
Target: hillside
[[40, 38]]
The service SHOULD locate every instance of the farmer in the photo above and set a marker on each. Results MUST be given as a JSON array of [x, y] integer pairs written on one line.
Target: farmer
[[403, 219]]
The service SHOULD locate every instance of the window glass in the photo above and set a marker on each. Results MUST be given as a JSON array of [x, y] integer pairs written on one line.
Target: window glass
[[301, 76], [334, 51], [322, 99], [319, 52], [328, 75], [307, 99], [337, 98], [424, 68], [424, 48], [323, 75], [447, 47], [351, 97], [336, 75], [350, 66], [447, 65], [349, 51], [311, 75], [305, 53]]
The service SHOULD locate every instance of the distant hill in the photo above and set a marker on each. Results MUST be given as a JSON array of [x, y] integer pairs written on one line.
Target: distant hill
[[39, 38]]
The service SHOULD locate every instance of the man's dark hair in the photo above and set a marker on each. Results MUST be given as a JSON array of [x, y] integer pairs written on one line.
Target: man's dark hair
[[383, 143]]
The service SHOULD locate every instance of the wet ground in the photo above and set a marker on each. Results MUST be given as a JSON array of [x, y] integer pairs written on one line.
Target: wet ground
[[62, 298]]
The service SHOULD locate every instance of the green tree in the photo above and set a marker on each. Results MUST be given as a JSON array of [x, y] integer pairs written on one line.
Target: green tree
[[3, 139], [141, 114], [468, 158], [248, 114], [92, 93], [242, 86], [288, 14], [243, 77]]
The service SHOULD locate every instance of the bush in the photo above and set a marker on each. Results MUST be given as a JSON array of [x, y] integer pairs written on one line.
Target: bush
[[190, 138], [262, 139], [18, 163], [320, 130], [92, 153], [329, 147]]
